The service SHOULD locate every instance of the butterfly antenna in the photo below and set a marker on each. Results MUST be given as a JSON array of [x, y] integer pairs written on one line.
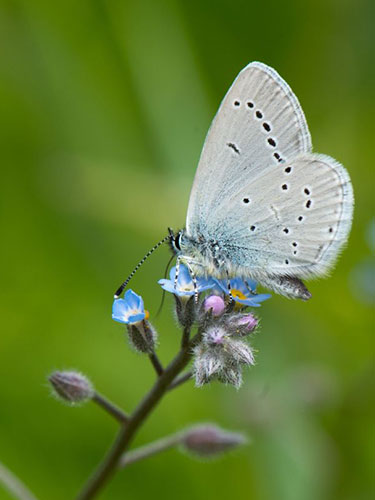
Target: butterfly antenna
[[163, 294], [124, 284]]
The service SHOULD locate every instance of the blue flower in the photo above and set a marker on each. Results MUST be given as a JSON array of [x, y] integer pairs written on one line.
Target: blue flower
[[184, 285], [243, 293], [129, 310]]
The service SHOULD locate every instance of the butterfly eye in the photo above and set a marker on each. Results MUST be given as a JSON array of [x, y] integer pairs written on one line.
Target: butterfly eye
[[177, 241]]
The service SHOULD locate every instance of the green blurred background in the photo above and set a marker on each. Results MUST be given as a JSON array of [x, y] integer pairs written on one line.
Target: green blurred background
[[104, 107]]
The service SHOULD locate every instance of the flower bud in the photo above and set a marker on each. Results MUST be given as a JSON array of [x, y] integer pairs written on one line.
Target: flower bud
[[215, 335], [215, 303], [142, 336], [186, 310], [71, 387], [210, 441], [242, 324]]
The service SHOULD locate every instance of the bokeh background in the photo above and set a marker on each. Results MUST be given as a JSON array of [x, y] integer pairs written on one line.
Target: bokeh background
[[104, 107]]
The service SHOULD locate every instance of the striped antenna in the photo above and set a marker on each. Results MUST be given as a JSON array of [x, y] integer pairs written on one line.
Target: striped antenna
[[121, 288]]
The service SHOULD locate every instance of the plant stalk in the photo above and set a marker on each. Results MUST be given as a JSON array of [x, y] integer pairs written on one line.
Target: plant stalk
[[150, 449], [107, 468], [110, 407]]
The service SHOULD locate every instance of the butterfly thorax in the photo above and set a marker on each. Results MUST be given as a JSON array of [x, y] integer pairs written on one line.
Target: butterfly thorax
[[206, 257]]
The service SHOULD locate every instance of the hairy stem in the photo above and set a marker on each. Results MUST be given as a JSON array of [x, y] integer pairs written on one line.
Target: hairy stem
[[107, 468], [150, 449], [110, 407], [156, 363], [14, 485], [180, 380], [185, 336]]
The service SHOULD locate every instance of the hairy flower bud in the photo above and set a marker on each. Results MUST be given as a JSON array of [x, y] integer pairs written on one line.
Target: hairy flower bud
[[241, 324], [210, 441], [142, 336], [71, 387], [186, 310], [215, 335], [221, 355], [215, 303]]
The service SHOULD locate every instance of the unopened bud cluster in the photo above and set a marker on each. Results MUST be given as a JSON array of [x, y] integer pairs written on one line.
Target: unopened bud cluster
[[223, 350]]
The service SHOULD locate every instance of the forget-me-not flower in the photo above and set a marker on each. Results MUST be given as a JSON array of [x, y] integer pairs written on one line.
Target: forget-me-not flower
[[130, 309], [185, 285], [242, 292]]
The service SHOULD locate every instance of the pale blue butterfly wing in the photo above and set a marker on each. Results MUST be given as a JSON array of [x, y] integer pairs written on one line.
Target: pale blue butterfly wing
[[274, 208], [258, 111]]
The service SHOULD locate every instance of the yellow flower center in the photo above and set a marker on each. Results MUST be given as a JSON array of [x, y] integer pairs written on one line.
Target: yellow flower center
[[238, 294], [147, 314]]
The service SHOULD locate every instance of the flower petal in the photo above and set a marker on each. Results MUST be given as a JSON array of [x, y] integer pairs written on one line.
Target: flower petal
[[136, 318], [133, 300], [119, 310]]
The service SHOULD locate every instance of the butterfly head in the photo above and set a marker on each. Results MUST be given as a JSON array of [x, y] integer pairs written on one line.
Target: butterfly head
[[175, 240]]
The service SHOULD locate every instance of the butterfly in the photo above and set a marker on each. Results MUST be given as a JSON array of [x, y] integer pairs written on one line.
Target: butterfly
[[262, 205]]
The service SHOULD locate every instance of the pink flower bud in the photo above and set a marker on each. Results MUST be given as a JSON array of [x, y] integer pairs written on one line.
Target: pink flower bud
[[210, 440], [245, 322], [215, 303], [71, 387]]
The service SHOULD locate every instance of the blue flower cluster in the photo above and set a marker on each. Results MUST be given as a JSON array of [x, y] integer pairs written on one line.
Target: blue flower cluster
[[130, 310], [242, 291]]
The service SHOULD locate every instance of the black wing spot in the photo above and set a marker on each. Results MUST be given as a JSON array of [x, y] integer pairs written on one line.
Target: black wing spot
[[306, 191], [278, 157], [294, 243], [267, 126], [234, 147], [259, 114], [250, 104], [284, 187], [252, 228], [271, 142], [246, 200], [331, 230], [295, 252], [286, 261], [237, 103], [287, 170], [308, 203], [286, 230], [300, 218]]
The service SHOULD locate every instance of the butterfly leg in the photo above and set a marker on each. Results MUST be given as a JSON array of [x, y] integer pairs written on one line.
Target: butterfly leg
[[229, 290], [178, 262], [252, 292], [194, 280]]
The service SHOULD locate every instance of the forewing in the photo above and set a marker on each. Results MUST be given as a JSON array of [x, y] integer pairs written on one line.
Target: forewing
[[259, 123], [292, 220]]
